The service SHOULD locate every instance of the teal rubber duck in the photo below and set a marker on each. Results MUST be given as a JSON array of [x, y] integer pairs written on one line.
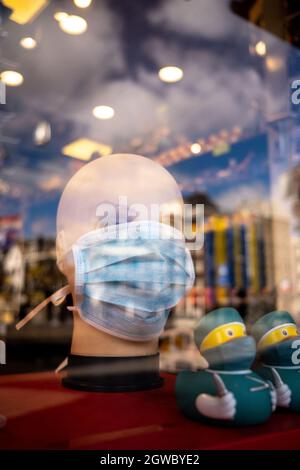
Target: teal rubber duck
[[278, 356], [227, 392]]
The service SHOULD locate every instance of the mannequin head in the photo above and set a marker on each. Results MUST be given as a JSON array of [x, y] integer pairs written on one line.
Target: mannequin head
[[106, 192]]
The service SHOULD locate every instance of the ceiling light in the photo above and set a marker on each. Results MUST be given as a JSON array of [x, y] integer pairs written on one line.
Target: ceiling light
[[42, 133], [170, 74], [196, 148], [261, 48], [73, 24], [28, 43], [60, 15], [274, 64], [83, 149], [11, 78], [103, 112], [24, 11], [82, 3]]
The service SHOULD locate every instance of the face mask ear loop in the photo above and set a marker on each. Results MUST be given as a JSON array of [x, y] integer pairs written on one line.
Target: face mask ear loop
[[57, 298], [73, 309], [62, 365]]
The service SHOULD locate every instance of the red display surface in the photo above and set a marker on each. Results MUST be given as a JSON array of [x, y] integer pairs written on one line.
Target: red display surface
[[41, 414]]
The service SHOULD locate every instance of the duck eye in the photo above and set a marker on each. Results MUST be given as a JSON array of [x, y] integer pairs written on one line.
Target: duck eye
[[229, 332], [284, 332]]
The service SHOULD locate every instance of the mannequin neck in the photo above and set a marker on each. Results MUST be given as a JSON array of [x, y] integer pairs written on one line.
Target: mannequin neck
[[102, 362], [89, 341]]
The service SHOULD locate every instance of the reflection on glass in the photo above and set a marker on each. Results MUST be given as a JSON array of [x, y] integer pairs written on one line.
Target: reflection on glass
[[195, 89]]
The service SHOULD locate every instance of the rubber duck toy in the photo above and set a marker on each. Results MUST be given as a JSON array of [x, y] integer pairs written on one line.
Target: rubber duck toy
[[227, 392], [278, 356]]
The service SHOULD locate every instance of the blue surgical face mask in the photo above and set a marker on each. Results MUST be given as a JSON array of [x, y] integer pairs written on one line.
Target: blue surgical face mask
[[280, 354], [237, 354], [128, 277]]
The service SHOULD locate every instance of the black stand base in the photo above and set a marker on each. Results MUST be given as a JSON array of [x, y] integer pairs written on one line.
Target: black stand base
[[112, 374]]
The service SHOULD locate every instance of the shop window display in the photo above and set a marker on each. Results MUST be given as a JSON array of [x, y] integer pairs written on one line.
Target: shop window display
[[207, 91]]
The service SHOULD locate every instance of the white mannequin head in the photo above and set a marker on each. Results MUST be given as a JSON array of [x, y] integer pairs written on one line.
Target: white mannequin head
[[148, 191]]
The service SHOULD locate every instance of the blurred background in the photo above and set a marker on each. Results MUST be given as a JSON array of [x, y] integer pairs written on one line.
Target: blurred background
[[204, 87]]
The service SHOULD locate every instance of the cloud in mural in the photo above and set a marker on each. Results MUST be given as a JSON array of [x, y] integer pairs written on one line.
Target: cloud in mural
[[210, 19], [254, 198]]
